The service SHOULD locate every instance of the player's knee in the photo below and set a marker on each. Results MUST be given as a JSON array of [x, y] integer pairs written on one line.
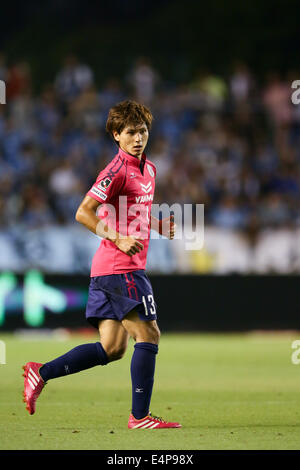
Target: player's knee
[[115, 352], [150, 334], [156, 335]]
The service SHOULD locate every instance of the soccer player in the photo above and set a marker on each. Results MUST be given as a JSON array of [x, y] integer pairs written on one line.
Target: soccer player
[[120, 302]]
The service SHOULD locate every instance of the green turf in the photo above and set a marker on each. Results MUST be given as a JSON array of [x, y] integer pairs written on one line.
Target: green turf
[[228, 391]]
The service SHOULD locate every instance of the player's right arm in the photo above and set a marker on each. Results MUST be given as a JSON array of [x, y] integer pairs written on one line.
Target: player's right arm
[[86, 215]]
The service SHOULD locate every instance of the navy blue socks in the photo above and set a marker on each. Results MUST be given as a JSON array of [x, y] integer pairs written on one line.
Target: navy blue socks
[[89, 355], [142, 377], [80, 358]]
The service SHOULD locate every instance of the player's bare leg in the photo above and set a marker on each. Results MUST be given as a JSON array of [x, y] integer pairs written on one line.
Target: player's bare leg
[[146, 334], [114, 338], [140, 330]]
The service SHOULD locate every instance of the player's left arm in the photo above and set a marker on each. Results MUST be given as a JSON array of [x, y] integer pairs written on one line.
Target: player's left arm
[[165, 227]]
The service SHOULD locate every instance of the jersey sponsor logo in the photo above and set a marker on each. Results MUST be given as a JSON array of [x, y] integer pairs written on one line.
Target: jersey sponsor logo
[[148, 197], [150, 170], [104, 184], [146, 187], [99, 193], [132, 175]]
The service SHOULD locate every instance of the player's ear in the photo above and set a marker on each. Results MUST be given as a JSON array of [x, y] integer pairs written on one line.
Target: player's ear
[[116, 136]]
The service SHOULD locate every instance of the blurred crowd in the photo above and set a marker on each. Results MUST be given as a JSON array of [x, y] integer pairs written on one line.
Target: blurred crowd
[[230, 142]]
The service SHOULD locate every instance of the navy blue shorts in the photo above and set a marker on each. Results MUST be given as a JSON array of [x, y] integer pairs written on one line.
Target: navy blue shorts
[[114, 296]]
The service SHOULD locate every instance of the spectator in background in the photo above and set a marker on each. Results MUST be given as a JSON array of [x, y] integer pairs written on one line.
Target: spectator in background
[[161, 156], [212, 89], [110, 94], [84, 109], [241, 83], [72, 79], [46, 109], [18, 80], [20, 102], [143, 79], [273, 211], [66, 189], [63, 181], [277, 100], [35, 212]]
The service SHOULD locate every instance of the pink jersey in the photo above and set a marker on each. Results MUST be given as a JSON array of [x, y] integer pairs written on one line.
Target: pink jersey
[[125, 189]]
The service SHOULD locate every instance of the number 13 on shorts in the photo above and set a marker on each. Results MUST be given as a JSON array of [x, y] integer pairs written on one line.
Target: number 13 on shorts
[[149, 304]]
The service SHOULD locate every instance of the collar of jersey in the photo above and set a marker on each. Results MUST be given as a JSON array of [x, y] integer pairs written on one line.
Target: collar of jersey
[[133, 160]]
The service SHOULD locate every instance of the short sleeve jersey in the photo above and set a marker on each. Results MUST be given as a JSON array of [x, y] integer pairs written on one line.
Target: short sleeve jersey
[[125, 189]]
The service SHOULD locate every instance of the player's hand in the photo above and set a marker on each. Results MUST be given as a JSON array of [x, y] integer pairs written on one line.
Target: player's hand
[[167, 227], [129, 245]]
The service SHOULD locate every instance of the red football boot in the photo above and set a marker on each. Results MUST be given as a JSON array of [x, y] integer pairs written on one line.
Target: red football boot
[[33, 385], [150, 422]]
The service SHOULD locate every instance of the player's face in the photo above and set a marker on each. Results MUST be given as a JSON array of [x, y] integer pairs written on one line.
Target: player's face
[[133, 139]]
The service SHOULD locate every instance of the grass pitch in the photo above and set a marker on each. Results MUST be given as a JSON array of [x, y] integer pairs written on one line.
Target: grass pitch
[[228, 391]]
